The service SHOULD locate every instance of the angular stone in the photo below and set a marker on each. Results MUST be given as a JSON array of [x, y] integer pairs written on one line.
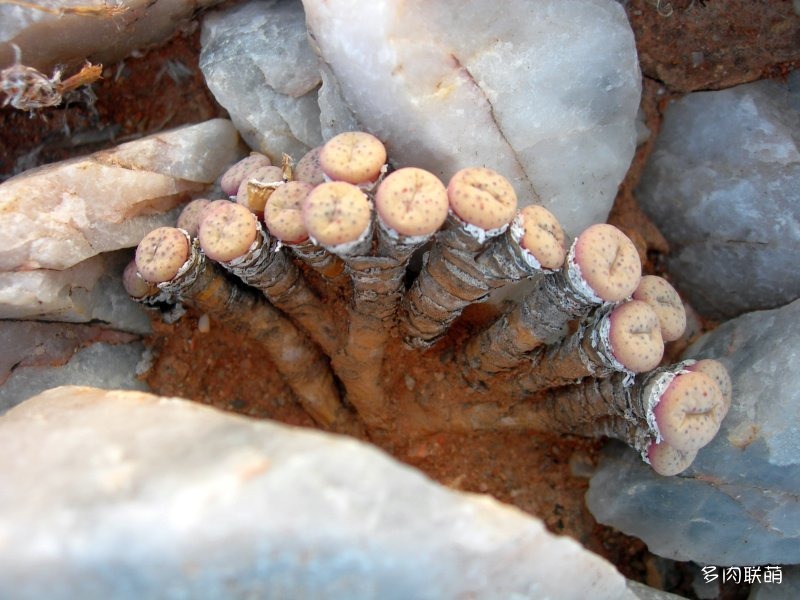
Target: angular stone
[[544, 92], [110, 32], [58, 215], [28, 343], [165, 497], [723, 185], [737, 504], [102, 364], [258, 64], [90, 291]]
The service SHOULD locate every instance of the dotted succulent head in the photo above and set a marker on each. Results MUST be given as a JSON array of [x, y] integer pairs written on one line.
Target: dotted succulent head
[[161, 254], [689, 412], [257, 187], [336, 213], [412, 201], [191, 215], [308, 168], [134, 284], [543, 236], [353, 157], [665, 301], [227, 230], [717, 371], [608, 262], [635, 336], [233, 177], [482, 197], [668, 461], [283, 213]]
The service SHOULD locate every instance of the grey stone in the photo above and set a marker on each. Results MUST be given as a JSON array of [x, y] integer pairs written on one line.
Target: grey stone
[[737, 504], [787, 589], [127, 495], [544, 92], [258, 64], [723, 185], [102, 364]]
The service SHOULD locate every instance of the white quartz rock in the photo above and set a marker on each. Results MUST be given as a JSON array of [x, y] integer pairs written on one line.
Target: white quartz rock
[[258, 64], [92, 290], [167, 498], [104, 31], [58, 215], [544, 91]]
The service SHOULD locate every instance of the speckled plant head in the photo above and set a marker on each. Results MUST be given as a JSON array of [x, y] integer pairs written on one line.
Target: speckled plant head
[[543, 236], [336, 213], [690, 411], [665, 301], [233, 177], [608, 262], [482, 197], [283, 213], [227, 230], [635, 336], [161, 254], [412, 202], [353, 157]]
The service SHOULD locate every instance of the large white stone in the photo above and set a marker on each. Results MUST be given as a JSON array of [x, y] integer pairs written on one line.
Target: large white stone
[[544, 91], [127, 495], [58, 215]]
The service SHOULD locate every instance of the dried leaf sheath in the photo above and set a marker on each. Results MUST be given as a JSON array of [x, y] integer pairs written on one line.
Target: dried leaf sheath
[[266, 267]]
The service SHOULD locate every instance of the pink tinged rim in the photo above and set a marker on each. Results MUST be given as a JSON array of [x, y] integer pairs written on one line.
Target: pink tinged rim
[[482, 197], [134, 284], [227, 231], [283, 213], [605, 259], [353, 157], [161, 254], [542, 236], [412, 202], [337, 213], [689, 412], [191, 215], [233, 177], [717, 371], [635, 336], [667, 304], [667, 460]]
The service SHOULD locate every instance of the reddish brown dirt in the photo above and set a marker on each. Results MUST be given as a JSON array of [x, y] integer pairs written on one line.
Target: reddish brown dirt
[[545, 476]]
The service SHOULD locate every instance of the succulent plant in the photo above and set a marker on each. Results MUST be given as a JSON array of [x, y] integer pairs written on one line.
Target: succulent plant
[[580, 353], [232, 178]]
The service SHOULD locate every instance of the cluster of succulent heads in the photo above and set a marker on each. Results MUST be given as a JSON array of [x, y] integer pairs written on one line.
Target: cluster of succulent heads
[[590, 316]]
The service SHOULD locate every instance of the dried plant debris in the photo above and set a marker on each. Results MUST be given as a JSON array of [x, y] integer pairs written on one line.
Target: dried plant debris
[[26, 88]]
